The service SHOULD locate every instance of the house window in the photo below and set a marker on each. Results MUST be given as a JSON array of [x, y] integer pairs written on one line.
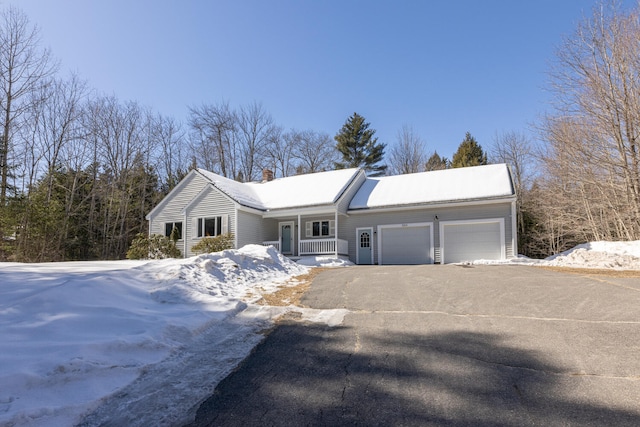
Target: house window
[[209, 227], [169, 226], [325, 228], [365, 240], [320, 228]]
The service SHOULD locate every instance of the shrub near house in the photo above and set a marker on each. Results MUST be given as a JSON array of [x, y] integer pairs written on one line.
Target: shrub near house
[[153, 247], [213, 244]]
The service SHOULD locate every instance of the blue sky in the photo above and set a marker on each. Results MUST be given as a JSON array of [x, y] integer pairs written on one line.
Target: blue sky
[[442, 67]]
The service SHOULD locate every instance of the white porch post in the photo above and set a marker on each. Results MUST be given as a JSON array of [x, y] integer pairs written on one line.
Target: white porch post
[[299, 227], [336, 230]]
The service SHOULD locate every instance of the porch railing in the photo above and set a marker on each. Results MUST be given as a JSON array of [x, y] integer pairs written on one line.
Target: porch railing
[[316, 246], [323, 247], [274, 243]]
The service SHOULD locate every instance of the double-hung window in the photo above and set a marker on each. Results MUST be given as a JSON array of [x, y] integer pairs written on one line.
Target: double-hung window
[[324, 228], [169, 226], [210, 226]]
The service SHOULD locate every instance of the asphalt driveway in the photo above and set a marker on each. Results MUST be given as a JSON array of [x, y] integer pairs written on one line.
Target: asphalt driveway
[[447, 345]]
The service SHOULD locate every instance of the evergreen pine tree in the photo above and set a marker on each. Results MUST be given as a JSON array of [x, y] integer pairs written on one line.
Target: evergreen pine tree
[[359, 148], [469, 153], [436, 163]]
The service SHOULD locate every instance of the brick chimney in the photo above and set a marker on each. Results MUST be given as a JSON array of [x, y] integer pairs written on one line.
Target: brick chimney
[[267, 175]]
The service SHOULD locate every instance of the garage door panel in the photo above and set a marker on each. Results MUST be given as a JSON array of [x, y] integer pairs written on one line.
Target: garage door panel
[[472, 241], [406, 245]]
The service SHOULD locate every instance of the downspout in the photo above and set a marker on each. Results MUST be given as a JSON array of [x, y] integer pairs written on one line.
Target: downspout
[[235, 225], [299, 227], [185, 227], [336, 232], [514, 229]]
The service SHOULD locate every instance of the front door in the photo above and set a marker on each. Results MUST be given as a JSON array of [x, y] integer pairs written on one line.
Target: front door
[[364, 253], [286, 238]]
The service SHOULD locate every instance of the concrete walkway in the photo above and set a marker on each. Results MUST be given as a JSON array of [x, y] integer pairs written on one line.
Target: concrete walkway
[[447, 345]]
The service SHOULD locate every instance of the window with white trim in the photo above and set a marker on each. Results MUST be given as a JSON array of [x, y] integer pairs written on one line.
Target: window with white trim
[[325, 228], [365, 240], [169, 226], [209, 227]]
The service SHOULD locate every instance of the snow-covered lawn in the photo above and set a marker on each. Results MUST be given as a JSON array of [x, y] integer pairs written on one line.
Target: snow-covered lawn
[[152, 337], [84, 340]]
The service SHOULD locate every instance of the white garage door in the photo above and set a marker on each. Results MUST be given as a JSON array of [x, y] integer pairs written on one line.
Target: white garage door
[[472, 241], [406, 244]]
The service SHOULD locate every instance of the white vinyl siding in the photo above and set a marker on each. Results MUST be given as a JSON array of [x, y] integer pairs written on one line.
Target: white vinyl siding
[[319, 229], [252, 229], [209, 203], [170, 209]]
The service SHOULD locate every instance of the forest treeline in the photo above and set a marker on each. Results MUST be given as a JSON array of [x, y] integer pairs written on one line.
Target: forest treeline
[[79, 171]]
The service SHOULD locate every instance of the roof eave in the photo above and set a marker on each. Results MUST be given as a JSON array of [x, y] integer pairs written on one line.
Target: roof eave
[[434, 205], [301, 210]]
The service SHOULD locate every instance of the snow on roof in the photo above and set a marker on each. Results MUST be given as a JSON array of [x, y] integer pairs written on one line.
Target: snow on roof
[[312, 189], [238, 191], [448, 185]]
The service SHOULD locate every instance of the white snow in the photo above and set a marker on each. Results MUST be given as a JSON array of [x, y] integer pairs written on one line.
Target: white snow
[[460, 184], [614, 255], [81, 338], [604, 255], [312, 189], [141, 343], [324, 261]]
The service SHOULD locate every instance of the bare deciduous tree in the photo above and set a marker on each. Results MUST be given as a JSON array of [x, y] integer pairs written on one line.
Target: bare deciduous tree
[[23, 67], [408, 155], [592, 162], [256, 128], [277, 154], [516, 149], [171, 156], [213, 138], [313, 151]]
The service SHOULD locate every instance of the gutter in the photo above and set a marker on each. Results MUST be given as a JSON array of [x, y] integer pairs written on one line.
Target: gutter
[[470, 202]]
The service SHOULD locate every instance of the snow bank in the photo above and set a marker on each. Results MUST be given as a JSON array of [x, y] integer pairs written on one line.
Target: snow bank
[[612, 255], [76, 336], [324, 261]]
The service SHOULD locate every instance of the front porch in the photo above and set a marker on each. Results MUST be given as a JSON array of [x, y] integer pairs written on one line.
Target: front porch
[[332, 246], [298, 235]]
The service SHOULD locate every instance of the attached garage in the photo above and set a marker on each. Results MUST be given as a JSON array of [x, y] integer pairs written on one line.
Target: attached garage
[[472, 240], [406, 243], [445, 216]]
